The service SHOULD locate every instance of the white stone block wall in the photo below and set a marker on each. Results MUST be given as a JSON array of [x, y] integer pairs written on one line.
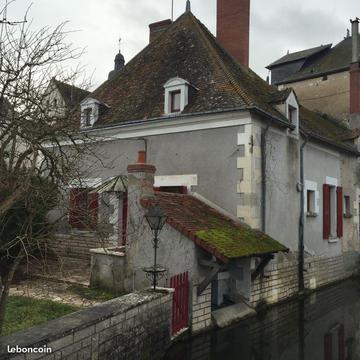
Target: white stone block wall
[[280, 280], [201, 309]]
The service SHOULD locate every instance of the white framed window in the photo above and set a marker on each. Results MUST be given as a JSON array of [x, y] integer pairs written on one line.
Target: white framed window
[[177, 94], [311, 198], [90, 112], [292, 111]]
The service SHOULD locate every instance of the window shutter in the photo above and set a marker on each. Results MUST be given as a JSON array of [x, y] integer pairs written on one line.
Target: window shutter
[[74, 211], [339, 202], [93, 209], [328, 347], [326, 211], [341, 337]]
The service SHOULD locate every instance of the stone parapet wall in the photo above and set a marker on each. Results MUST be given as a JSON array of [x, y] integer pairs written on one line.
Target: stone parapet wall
[[134, 326], [201, 309], [280, 280]]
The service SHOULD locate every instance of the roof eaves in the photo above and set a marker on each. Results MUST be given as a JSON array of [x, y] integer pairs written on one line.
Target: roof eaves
[[312, 75], [328, 141]]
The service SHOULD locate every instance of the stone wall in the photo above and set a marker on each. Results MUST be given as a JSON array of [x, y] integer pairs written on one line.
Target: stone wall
[[280, 280], [201, 309], [135, 326], [76, 245]]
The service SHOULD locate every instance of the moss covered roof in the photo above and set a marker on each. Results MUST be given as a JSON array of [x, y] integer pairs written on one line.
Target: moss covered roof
[[216, 233]]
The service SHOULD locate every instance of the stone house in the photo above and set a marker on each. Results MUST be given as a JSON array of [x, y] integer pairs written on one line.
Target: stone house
[[225, 144], [325, 78]]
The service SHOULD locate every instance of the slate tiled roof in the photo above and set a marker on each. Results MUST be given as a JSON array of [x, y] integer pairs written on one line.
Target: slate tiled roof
[[327, 129], [71, 94], [188, 50], [219, 235], [299, 55], [336, 59]]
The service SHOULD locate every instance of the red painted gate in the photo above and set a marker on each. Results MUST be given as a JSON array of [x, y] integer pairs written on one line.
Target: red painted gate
[[180, 309]]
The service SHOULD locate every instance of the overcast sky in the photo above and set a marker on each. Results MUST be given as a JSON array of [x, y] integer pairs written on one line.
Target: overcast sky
[[276, 26]]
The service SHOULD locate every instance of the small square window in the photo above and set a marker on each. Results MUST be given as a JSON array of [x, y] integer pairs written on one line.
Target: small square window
[[292, 114], [241, 174], [175, 100], [347, 206]]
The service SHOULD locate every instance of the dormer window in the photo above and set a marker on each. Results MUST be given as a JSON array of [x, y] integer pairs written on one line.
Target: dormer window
[[88, 112], [292, 111], [178, 93], [175, 100], [91, 109]]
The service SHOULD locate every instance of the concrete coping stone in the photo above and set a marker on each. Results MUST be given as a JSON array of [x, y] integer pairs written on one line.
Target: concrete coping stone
[[58, 328], [113, 251]]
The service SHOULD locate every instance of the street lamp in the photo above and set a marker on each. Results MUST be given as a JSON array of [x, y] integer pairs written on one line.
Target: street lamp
[[156, 219]]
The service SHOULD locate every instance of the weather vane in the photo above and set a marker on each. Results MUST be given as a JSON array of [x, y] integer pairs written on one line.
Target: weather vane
[[120, 44]]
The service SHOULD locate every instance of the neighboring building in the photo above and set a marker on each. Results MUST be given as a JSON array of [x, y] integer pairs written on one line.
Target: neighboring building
[[255, 155], [61, 98], [321, 76]]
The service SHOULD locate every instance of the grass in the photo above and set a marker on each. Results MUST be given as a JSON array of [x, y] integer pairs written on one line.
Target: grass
[[23, 313], [92, 293]]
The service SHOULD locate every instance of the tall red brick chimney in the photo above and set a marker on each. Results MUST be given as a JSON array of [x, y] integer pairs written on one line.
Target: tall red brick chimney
[[355, 77], [233, 28]]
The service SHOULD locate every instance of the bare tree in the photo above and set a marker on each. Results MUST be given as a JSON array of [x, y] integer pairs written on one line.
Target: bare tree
[[34, 162]]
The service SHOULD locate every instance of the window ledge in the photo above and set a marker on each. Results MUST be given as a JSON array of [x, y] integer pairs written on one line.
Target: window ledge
[[348, 216], [333, 239], [311, 214]]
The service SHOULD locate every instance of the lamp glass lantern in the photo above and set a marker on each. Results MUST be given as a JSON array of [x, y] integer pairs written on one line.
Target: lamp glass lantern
[[156, 218]]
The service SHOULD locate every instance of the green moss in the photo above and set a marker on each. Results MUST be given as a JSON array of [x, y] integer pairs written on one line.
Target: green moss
[[23, 312], [93, 293], [239, 242]]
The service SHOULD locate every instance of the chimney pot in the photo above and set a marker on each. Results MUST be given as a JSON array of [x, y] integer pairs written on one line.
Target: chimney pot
[[141, 157], [158, 28], [355, 40]]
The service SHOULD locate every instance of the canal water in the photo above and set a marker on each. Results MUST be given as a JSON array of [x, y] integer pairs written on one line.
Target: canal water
[[324, 326]]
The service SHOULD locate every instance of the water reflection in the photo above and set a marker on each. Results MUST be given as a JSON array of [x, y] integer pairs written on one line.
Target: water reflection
[[325, 326]]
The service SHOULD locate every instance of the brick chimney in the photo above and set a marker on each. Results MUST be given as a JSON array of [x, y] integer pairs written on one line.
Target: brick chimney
[[355, 77], [158, 27], [233, 28], [141, 178]]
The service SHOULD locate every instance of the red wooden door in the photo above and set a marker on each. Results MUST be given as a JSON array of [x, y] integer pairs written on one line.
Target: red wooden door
[[180, 308]]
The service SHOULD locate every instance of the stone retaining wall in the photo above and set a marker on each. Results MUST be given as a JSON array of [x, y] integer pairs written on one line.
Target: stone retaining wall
[[201, 309], [134, 326], [280, 280]]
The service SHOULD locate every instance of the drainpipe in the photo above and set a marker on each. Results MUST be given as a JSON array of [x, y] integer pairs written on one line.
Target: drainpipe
[[263, 177], [301, 222]]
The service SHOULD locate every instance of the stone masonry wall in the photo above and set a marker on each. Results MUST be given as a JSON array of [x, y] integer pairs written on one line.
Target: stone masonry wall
[[201, 309], [76, 245], [280, 280], [135, 326]]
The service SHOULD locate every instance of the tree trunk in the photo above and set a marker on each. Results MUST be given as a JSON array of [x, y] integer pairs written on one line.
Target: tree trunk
[[5, 283]]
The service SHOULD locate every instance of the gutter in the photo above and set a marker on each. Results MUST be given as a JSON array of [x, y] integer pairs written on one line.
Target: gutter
[[323, 139]]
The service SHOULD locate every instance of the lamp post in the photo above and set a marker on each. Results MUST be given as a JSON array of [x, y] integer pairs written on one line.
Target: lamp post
[[156, 219]]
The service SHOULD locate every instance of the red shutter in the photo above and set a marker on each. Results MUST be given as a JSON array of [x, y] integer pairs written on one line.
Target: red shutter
[[93, 209], [327, 347], [326, 211], [74, 211], [339, 202], [341, 337]]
